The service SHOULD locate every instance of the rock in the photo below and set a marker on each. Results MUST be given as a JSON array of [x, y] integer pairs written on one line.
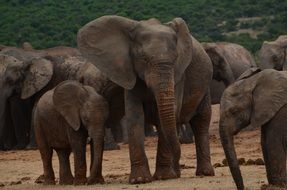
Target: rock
[[25, 178], [2, 184], [241, 161], [250, 162], [259, 161], [40, 179], [217, 165], [15, 183]]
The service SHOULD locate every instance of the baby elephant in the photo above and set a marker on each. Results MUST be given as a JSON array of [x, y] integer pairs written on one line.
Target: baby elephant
[[64, 117], [260, 100]]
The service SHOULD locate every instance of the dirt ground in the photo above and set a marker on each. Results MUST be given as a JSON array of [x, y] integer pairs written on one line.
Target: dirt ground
[[19, 169]]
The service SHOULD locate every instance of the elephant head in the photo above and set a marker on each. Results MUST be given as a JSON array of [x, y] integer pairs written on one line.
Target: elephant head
[[24, 78], [252, 100], [79, 104], [128, 51], [27, 46], [221, 67], [273, 55]]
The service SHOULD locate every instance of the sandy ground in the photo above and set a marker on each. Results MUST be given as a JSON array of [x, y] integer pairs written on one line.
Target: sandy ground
[[19, 169]]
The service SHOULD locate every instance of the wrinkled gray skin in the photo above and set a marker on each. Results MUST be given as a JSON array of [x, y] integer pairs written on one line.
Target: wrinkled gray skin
[[229, 61], [63, 119], [29, 79], [159, 63], [63, 51], [273, 55], [259, 100]]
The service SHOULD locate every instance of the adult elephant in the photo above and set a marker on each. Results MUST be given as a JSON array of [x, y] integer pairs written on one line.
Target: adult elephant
[[161, 62], [258, 100], [229, 61], [273, 55], [29, 79]]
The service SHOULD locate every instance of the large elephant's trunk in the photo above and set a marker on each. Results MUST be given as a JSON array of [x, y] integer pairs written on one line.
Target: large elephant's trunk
[[228, 146], [163, 88], [97, 147]]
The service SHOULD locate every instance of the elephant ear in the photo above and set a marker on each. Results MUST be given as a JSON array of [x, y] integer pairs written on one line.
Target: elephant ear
[[106, 43], [68, 98], [282, 41], [248, 73], [184, 46], [37, 77], [269, 95]]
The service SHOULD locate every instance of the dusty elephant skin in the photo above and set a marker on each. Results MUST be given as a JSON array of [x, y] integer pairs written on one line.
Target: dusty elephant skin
[[64, 117], [161, 61], [273, 55], [229, 61], [29, 75], [260, 100]]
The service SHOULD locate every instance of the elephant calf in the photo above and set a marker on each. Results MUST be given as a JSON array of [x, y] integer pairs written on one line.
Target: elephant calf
[[64, 117], [260, 100]]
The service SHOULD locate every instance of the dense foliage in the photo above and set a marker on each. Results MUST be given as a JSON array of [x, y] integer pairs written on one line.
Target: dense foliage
[[47, 23]]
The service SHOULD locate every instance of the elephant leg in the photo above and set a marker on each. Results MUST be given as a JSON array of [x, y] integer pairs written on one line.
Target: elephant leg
[[32, 145], [274, 152], [32, 142], [140, 172], [110, 143], [164, 169], [78, 145], [7, 133], [46, 156], [200, 126], [66, 177], [21, 117]]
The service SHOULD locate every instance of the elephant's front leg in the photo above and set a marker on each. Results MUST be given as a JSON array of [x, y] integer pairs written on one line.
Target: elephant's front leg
[[140, 172], [200, 126], [164, 166]]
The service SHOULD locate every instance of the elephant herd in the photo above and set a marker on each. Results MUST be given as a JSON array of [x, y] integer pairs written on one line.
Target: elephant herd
[[126, 75]]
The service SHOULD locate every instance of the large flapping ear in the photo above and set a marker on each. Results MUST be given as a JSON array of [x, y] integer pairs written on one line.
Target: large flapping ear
[[184, 46], [248, 73], [37, 77], [269, 96], [105, 42], [68, 98]]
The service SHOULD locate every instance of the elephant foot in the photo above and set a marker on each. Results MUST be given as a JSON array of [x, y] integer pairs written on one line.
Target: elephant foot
[[272, 187], [67, 181], [140, 174], [80, 181], [205, 170], [95, 180], [163, 173]]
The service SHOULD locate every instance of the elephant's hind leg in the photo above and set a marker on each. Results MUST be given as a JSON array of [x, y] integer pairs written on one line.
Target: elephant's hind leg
[[200, 126], [273, 142], [66, 177], [46, 156]]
